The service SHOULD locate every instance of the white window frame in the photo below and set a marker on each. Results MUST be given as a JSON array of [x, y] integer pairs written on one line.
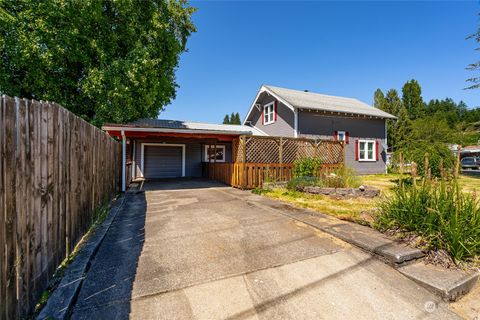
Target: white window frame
[[205, 157], [142, 154], [366, 159], [270, 114], [344, 136]]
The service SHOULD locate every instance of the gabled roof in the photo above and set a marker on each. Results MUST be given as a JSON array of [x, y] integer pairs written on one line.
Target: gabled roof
[[164, 125], [297, 99]]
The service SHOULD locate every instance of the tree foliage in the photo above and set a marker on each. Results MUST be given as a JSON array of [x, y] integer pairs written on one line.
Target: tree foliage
[[106, 61], [234, 118], [475, 66], [412, 99]]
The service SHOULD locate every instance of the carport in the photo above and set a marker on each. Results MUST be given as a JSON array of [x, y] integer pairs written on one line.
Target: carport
[[156, 148]]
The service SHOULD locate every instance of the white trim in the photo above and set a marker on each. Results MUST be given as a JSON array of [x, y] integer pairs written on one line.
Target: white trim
[[366, 141], [124, 162], [205, 152], [133, 159], [136, 129], [157, 144], [276, 96], [295, 123], [272, 114]]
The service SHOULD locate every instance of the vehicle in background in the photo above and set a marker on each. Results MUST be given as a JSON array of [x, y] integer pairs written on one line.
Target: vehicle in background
[[470, 163]]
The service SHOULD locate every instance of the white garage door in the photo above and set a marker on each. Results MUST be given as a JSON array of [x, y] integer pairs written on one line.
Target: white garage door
[[162, 161]]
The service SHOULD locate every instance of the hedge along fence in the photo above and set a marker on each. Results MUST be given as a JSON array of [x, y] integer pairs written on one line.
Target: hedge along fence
[[56, 169]]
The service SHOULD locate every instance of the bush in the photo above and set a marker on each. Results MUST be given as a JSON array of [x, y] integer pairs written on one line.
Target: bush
[[439, 212], [340, 178], [306, 167], [436, 152]]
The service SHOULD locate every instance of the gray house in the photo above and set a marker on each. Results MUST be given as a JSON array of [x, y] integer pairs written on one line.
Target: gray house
[[293, 113]]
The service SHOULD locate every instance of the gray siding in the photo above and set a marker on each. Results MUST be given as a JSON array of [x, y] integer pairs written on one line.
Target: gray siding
[[284, 125], [194, 156], [316, 125]]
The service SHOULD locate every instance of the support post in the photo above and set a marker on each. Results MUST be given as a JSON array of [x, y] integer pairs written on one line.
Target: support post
[[124, 161]]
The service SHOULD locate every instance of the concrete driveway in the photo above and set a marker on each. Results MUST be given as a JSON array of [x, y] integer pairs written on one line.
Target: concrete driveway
[[193, 249]]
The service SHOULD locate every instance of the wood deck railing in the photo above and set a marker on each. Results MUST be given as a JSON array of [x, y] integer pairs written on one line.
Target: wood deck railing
[[253, 175]]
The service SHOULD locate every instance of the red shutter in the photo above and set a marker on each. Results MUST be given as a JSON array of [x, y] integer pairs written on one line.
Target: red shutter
[[276, 104], [356, 149], [346, 137], [263, 116], [376, 150], [335, 135]]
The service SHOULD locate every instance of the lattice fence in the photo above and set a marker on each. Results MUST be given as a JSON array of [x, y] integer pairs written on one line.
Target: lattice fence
[[254, 149]]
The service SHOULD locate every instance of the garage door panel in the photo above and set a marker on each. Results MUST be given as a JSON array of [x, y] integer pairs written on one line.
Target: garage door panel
[[162, 162]]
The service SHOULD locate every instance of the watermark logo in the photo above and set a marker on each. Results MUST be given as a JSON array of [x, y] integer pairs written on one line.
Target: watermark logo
[[430, 306]]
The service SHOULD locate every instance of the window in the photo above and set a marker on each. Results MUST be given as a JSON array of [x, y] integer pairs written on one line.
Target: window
[[366, 150], [341, 136], [210, 153], [269, 113]]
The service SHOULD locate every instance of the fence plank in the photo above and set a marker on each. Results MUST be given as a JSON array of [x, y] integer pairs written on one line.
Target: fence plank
[[55, 170]]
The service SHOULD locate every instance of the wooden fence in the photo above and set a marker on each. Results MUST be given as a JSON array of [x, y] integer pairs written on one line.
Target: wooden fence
[[253, 175], [55, 170]]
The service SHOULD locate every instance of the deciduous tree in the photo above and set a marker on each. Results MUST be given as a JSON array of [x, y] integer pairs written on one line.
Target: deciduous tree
[[106, 61]]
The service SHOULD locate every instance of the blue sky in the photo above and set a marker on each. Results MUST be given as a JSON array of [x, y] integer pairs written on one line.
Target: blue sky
[[338, 48]]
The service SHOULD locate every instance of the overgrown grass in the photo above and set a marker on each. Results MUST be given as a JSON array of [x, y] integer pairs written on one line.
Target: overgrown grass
[[357, 210], [340, 178], [439, 211]]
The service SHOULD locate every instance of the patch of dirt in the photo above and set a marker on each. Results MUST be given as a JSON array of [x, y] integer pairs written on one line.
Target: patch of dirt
[[442, 258]]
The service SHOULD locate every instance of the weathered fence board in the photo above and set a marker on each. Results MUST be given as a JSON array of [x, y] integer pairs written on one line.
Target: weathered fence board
[[55, 170]]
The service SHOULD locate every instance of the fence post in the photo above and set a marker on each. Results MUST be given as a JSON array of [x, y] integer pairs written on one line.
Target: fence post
[[457, 162], [280, 158]]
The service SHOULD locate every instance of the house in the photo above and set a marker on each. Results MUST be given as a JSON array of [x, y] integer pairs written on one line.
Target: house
[[157, 148], [292, 113]]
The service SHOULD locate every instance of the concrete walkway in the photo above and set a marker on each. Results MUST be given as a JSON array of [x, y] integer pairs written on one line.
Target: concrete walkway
[[193, 249]]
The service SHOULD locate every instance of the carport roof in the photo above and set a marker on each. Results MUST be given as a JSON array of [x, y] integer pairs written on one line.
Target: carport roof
[[163, 125]]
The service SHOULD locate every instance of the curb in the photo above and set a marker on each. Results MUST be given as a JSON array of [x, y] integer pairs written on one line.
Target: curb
[[63, 297]]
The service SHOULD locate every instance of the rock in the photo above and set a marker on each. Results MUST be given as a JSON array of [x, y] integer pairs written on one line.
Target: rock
[[361, 188]]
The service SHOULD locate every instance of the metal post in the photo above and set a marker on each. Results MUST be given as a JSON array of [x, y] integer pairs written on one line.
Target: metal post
[[124, 161]]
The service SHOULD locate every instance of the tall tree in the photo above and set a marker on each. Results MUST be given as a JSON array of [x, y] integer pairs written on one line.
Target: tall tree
[[226, 119], [475, 67], [412, 99], [403, 129], [237, 119], [392, 104], [379, 100], [106, 61]]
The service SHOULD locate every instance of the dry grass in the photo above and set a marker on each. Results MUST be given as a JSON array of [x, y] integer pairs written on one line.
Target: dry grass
[[357, 210]]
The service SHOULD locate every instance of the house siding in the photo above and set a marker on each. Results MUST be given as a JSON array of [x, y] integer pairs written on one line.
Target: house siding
[[316, 125], [194, 155], [284, 125]]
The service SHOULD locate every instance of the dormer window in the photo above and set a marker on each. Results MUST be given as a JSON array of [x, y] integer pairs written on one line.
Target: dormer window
[[269, 113]]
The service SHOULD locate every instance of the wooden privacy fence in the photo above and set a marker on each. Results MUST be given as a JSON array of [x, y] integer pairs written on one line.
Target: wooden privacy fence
[[56, 169], [260, 159]]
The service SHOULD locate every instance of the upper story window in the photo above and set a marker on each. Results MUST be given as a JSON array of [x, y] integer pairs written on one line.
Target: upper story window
[[341, 136], [269, 113]]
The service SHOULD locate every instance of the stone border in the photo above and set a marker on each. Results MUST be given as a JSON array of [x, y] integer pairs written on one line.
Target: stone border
[[361, 192], [64, 296]]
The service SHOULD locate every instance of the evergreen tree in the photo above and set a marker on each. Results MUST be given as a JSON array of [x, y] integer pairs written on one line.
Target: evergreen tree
[[379, 100], [226, 119], [237, 119], [392, 104], [403, 129], [475, 80], [412, 99]]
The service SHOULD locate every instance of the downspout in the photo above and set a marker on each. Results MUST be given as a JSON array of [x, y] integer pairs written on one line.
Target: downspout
[[386, 143], [295, 123], [124, 160]]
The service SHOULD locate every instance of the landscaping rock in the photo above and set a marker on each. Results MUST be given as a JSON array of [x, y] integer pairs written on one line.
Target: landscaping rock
[[346, 193]]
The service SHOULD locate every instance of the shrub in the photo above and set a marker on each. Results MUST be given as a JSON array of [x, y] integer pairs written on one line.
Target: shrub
[[439, 212], [436, 152], [300, 182], [306, 167], [340, 178]]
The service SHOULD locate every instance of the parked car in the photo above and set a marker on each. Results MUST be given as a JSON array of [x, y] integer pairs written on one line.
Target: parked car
[[470, 163]]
